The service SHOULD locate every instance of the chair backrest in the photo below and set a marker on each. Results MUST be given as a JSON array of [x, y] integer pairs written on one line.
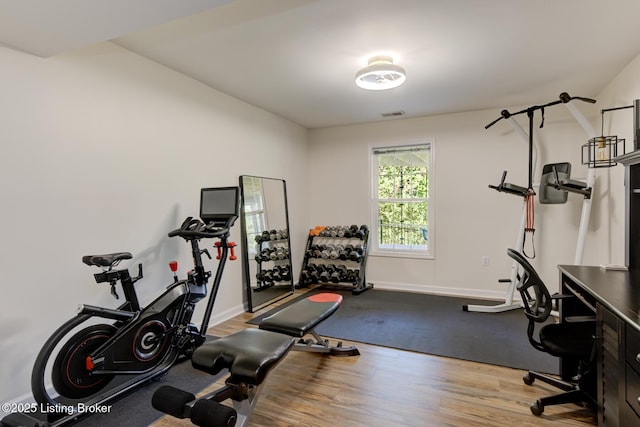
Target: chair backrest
[[535, 295]]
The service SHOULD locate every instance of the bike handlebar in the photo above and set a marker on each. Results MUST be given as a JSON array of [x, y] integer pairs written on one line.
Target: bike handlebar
[[195, 229]]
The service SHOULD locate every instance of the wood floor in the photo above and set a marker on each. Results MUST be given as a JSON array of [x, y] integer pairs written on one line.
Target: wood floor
[[392, 388]]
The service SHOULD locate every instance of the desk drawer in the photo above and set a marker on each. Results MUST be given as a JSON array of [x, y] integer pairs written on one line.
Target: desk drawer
[[632, 353], [633, 389]]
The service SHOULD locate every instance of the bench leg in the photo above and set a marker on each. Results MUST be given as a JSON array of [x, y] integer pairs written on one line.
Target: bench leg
[[321, 345], [244, 408]]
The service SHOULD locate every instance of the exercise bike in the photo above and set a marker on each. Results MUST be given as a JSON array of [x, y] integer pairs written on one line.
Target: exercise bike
[[92, 366]]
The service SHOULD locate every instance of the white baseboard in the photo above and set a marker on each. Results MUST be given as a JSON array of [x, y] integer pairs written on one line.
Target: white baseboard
[[439, 290], [226, 315]]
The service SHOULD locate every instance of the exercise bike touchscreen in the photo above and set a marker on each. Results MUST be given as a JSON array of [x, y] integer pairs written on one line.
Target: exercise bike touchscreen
[[219, 206]]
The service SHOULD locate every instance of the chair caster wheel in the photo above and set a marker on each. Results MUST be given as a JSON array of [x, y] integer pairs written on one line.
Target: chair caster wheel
[[537, 408], [528, 379]]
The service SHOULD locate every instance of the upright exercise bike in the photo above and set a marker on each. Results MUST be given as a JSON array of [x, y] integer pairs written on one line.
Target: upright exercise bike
[[91, 366]]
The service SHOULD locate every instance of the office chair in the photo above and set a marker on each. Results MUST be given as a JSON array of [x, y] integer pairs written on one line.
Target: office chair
[[571, 341]]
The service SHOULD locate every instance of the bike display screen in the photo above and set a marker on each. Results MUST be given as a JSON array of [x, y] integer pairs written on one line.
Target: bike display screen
[[219, 204]]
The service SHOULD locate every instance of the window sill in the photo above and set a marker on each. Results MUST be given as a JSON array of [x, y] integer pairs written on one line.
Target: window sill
[[398, 254]]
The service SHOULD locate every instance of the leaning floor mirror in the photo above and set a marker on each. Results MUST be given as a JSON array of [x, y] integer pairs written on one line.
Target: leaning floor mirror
[[266, 250]]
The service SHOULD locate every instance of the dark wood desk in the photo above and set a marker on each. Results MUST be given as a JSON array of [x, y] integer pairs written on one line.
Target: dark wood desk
[[614, 296]]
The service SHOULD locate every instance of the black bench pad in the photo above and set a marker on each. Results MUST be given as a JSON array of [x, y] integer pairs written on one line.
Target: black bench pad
[[301, 317], [249, 354]]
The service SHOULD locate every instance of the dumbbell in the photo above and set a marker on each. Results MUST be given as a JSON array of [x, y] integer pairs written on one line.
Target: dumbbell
[[267, 276], [282, 272], [277, 254], [315, 272], [305, 281], [305, 276], [285, 272], [339, 274], [344, 254], [283, 253], [325, 252], [362, 232], [262, 237], [310, 253], [317, 230], [329, 231], [352, 275], [325, 276], [355, 255], [334, 251]]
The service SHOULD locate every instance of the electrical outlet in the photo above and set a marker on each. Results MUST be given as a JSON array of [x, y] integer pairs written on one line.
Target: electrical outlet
[[485, 261]]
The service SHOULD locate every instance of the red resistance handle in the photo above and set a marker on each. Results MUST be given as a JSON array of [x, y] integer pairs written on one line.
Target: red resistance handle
[[231, 246], [173, 265]]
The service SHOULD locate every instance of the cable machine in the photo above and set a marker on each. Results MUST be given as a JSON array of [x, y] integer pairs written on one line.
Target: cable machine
[[528, 193]]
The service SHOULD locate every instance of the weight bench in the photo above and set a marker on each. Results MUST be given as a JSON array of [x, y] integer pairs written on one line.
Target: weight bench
[[250, 355], [301, 318]]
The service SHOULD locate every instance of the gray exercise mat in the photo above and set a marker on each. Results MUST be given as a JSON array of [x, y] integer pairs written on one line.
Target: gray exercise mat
[[435, 325]]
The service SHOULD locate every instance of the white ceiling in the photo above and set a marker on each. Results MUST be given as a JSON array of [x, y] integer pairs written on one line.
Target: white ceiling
[[298, 58]]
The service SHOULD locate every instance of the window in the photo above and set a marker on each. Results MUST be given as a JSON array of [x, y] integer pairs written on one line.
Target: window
[[254, 215], [401, 201]]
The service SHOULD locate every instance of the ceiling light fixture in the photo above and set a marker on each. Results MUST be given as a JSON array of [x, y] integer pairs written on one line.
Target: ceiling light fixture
[[380, 74]]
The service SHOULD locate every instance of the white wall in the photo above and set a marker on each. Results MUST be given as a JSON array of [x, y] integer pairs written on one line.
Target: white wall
[[472, 220], [622, 91], [106, 151]]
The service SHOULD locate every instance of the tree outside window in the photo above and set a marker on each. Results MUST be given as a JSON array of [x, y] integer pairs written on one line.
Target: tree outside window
[[402, 199]]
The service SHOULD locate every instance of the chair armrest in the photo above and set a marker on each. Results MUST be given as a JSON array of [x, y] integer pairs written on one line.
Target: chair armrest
[[577, 319], [562, 296]]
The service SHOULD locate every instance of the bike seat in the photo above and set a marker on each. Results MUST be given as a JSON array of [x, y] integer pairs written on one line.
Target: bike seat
[[105, 260]]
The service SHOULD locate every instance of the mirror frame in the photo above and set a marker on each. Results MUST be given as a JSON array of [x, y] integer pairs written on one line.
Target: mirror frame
[[252, 304]]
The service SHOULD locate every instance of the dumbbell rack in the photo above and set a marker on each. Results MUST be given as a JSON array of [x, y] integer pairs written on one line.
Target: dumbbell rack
[[356, 268], [267, 246]]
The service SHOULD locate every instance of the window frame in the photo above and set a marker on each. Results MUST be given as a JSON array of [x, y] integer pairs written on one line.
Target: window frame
[[374, 246], [257, 218]]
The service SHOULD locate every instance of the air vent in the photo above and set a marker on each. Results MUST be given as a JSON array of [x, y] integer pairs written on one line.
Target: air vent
[[393, 114]]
